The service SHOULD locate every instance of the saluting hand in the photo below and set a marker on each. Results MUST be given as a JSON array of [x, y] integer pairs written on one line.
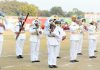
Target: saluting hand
[[63, 38]]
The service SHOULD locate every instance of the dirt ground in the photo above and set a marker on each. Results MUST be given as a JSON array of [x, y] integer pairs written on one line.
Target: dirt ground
[[8, 61]]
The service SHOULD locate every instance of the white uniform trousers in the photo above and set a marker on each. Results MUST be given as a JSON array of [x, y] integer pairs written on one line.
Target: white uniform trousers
[[74, 49], [19, 46], [80, 44], [58, 50], [34, 48], [52, 55], [92, 45], [1, 44], [96, 43]]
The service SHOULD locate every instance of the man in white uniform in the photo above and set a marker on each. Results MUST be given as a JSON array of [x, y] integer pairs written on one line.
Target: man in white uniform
[[52, 43], [92, 39], [62, 36], [36, 33], [81, 28], [74, 40], [97, 37], [21, 39], [2, 28]]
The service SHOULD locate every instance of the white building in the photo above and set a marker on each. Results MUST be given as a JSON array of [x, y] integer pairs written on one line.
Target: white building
[[92, 16]]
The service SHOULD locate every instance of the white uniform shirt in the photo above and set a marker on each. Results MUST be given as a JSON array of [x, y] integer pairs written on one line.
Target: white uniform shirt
[[81, 27], [53, 40], [92, 32], [1, 29], [74, 29], [34, 37], [61, 32], [22, 34]]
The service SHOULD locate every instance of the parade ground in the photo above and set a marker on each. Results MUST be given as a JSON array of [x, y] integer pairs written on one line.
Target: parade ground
[[22, 22], [8, 61]]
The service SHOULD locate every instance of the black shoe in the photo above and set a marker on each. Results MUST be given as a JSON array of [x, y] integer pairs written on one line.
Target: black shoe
[[50, 66], [58, 57], [92, 57], [79, 54], [33, 61], [76, 61], [20, 56], [72, 61], [95, 51], [37, 61], [54, 66]]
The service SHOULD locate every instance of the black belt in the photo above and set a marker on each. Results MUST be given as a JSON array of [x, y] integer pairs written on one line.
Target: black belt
[[50, 36]]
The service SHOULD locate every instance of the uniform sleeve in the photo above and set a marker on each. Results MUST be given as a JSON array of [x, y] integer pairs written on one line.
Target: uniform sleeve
[[56, 33], [46, 30], [1, 29], [71, 28], [9, 25], [16, 29], [91, 29], [63, 32], [31, 30], [41, 30]]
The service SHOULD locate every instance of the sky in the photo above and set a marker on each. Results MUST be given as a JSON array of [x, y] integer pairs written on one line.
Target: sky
[[67, 5]]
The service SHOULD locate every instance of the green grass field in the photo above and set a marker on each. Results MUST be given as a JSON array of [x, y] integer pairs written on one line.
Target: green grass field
[[8, 61]]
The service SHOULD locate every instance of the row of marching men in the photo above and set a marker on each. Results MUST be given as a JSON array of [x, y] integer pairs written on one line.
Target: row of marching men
[[77, 29], [54, 35]]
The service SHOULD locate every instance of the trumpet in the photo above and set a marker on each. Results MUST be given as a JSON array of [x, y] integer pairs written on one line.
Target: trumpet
[[52, 27]]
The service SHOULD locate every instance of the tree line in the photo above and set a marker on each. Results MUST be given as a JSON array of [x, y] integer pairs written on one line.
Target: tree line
[[16, 8]]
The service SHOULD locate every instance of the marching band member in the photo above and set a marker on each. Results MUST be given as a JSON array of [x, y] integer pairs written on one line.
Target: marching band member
[[52, 34], [36, 33], [2, 29], [21, 39], [62, 35], [92, 39], [81, 27], [74, 40]]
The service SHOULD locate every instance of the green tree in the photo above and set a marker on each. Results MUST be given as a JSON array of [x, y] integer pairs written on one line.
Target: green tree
[[76, 12], [17, 8], [24, 9], [57, 11], [45, 13]]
